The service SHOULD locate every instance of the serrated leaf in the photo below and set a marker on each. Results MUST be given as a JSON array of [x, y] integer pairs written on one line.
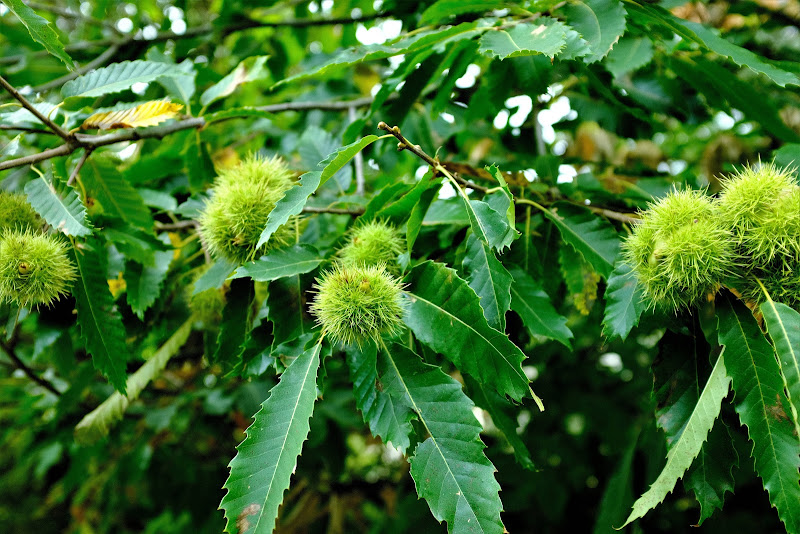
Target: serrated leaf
[[117, 77], [449, 468], [106, 184], [688, 443], [382, 403], [506, 423], [97, 424], [783, 325], [235, 324], [249, 70], [710, 476], [295, 198], [532, 304], [100, 323], [762, 407], [490, 226], [490, 281], [144, 282], [279, 263], [544, 36], [600, 23], [444, 313], [40, 30], [629, 54], [263, 465], [66, 214], [593, 237], [214, 277], [624, 304], [147, 114]]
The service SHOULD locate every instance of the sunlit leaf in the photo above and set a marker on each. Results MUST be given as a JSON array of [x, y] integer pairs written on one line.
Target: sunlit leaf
[[147, 114], [40, 30], [117, 77], [543, 36], [63, 210], [251, 69]]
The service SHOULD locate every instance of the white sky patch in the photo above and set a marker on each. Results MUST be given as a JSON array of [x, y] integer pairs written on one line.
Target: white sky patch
[[531, 372], [530, 174], [559, 109], [612, 361], [723, 121], [566, 174], [327, 6], [380, 33], [127, 152], [315, 47], [139, 88], [356, 13], [125, 25], [523, 105], [178, 26], [174, 13], [447, 117], [313, 7], [149, 32], [744, 128], [420, 172], [560, 147], [86, 9], [446, 191], [469, 78], [501, 120], [130, 9]]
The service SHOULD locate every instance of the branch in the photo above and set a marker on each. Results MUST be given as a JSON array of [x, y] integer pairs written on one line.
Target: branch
[[63, 150], [86, 153], [197, 32], [99, 61], [27, 105], [25, 130], [338, 211], [28, 371]]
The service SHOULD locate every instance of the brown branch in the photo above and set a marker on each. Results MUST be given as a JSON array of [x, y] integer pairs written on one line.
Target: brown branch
[[86, 153], [617, 216], [28, 371], [50, 153], [171, 227], [36, 113]]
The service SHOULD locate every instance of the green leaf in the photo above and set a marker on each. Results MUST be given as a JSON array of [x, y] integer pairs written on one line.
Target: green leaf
[[235, 325], [532, 304], [144, 282], [97, 424], [710, 476], [197, 161], [214, 277], [762, 406], [594, 238], [101, 324], [399, 209], [295, 198], [444, 9], [788, 155], [263, 465], [106, 184], [490, 226], [618, 492], [783, 325], [444, 313], [506, 423], [449, 468], [629, 54], [490, 281], [117, 77], [688, 442], [249, 70], [624, 304], [379, 396], [40, 30], [544, 36], [600, 23], [282, 262], [67, 214], [406, 44]]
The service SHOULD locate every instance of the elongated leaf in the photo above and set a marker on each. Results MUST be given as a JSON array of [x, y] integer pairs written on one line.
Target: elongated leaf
[[600, 23], [101, 324], [490, 226], [619, 491], [235, 325], [40, 30], [249, 70], [783, 324], [117, 77], [506, 423], [147, 114], [279, 263], [263, 465], [96, 424], [594, 238], [710, 476], [763, 407], [532, 304], [624, 304], [295, 198], [544, 36], [688, 444], [490, 281], [144, 282], [444, 313], [387, 411], [67, 214], [106, 184], [214, 277], [449, 468], [629, 54]]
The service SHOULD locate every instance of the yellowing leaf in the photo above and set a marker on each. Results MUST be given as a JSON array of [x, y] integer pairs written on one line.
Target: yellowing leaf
[[147, 114]]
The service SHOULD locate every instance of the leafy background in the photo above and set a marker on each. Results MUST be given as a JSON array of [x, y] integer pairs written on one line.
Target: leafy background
[[588, 109]]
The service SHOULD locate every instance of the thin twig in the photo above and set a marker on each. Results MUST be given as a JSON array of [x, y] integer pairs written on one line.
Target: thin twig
[[25, 130], [338, 211], [50, 153], [198, 32], [28, 371], [617, 216], [99, 61], [179, 225], [36, 113], [86, 153]]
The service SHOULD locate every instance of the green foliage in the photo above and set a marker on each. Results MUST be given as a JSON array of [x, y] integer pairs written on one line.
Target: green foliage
[[492, 197]]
